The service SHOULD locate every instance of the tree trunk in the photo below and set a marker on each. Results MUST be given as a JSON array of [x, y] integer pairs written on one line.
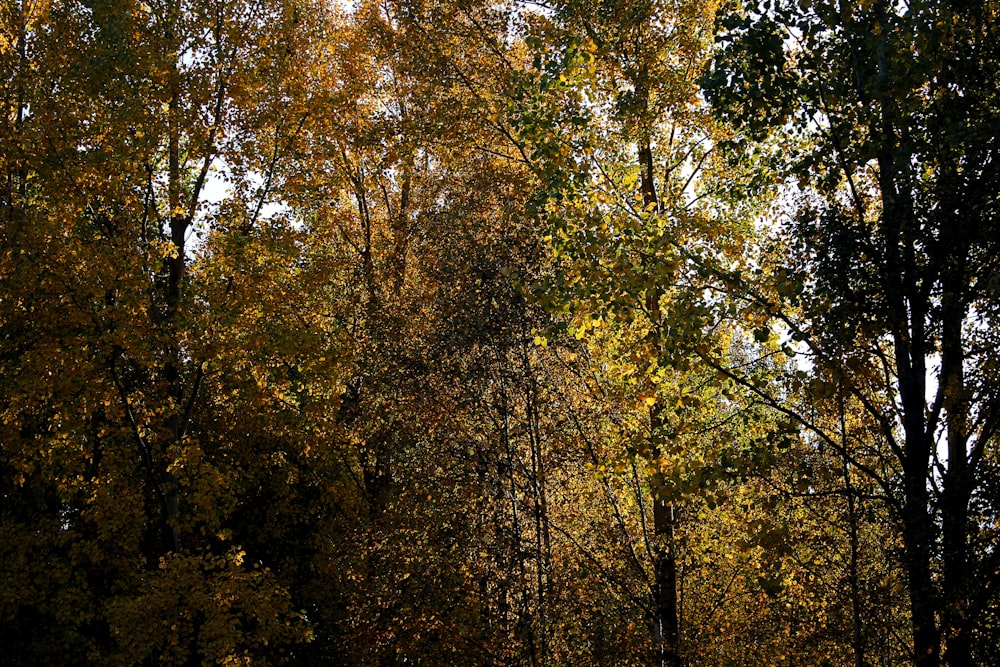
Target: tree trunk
[[957, 485], [667, 627]]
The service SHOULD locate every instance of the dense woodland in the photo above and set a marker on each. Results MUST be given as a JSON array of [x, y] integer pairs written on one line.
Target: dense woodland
[[461, 332]]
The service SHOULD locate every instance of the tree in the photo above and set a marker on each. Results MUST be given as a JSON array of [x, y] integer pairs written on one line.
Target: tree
[[888, 281], [450, 332], [631, 192], [443, 555], [115, 115]]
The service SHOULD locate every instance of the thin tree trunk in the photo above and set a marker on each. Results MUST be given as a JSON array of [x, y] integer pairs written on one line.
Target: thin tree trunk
[[666, 625], [957, 484], [857, 635], [907, 322]]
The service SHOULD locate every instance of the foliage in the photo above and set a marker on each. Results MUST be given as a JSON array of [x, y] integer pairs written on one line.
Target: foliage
[[889, 237], [434, 332]]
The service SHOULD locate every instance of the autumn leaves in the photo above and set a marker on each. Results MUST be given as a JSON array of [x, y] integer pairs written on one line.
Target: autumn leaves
[[482, 286]]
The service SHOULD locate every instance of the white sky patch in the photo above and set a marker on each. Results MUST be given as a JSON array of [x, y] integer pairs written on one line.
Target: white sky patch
[[218, 187]]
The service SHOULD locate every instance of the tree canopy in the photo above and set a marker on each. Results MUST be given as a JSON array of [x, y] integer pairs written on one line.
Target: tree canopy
[[457, 332]]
